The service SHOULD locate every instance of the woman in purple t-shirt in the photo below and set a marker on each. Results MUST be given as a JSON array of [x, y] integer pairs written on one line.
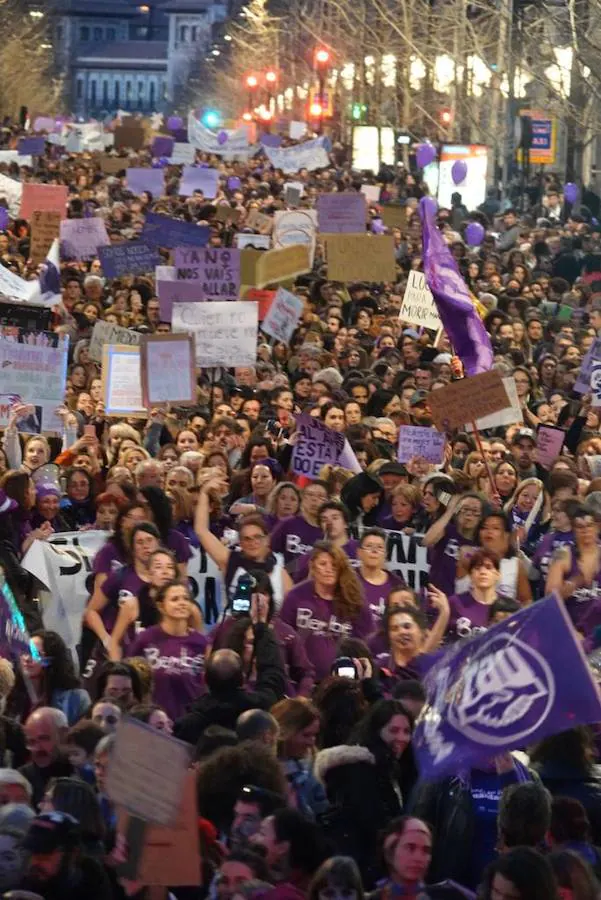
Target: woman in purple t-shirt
[[455, 529], [576, 573], [406, 628], [174, 652], [376, 581], [327, 607], [471, 611]]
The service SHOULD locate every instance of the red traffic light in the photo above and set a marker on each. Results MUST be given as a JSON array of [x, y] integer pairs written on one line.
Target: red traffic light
[[446, 116], [322, 57], [251, 81], [270, 77]]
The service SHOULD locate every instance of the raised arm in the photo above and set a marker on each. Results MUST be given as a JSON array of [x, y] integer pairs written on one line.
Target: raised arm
[[435, 532], [216, 550]]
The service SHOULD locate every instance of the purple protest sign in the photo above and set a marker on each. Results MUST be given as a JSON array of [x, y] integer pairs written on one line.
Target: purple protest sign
[[150, 180], [522, 680], [216, 271], [163, 231], [162, 146], [199, 178], [175, 123], [170, 292], [583, 385], [82, 238], [128, 258], [31, 146], [315, 446], [270, 140], [341, 213], [234, 183], [418, 441]]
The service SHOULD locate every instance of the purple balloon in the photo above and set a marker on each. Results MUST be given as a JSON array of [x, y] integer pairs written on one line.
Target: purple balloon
[[222, 138], [570, 192], [474, 234], [459, 171], [234, 183], [3, 218], [430, 206], [175, 122], [425, 154]]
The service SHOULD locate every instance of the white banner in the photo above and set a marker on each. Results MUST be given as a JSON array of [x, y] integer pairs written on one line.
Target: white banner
[[11, 191], [63, 564], [311, 155], [229, 144]]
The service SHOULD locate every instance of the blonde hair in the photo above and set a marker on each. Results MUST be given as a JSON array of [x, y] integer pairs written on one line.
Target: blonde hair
[[293, 715], [7, 678], [334, 477], [348, 595], [37, 437], [124, 457], [545, 512]]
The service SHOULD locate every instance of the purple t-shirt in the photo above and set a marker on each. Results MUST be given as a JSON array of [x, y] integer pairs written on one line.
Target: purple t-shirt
[[584, 606], [301, 567], [468, 617], [121, 584], [546, 547], [443, 559], [376, 594], [318, 626], [109, 559], [294, 536], [177, 665]]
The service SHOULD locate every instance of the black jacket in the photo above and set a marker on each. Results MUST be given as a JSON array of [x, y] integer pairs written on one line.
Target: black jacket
[[87, 880], [224, 707], [564, 780], [39, 778]]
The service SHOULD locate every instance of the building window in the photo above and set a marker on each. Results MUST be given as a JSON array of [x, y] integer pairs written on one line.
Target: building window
[[98, 36], [79, 88], [151, 93], [193, 34], [93, 92], [105, 93], [117, 91], [59, 32], [111, 34], [84, 33], [183, 33]]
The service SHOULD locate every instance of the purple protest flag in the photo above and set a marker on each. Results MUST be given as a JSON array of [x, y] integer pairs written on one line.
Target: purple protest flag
[[469, 337], [522, 680]]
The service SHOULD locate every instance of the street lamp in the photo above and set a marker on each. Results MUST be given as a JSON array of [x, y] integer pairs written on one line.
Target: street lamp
[[270, 80], [251, 83], [322, 62]]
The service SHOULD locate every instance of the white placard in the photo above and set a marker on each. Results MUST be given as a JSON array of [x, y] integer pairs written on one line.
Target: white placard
[[371, 192], [295, 226], [508, 416], [11, 190], [168, 369], [225, 332], [418, 306], [122, 381], [182, 154], [260, 241], [105, 333], [283, 315]]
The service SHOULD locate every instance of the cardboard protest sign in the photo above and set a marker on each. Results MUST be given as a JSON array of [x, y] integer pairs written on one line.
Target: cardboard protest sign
[[342, 213], [168, 369], [121, 384], [282, 264], [45, 227], [130, 137], [371, 192], [38, 197], [465, 400], [316, 445], [128, 258], [140, 180], [393, 216], [256, 241], [111, 165], [163, 231], [227, 213], [549, 444], [507, 416], [283, 316], [415, 440], [522, 680], [259, 221], [584, 378], [418, 306], [81, 238], [147, 772], [183, 154], [199, 178], [172, 291], [292, 195], [215, 270], [105, 333], [170, 855], [360, 257], [225, 332], [34, 371], [297, 226]]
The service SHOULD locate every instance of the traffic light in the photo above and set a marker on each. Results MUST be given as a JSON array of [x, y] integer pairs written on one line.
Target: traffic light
[[251, 81], [446, 117], [322, 58], [316, 110], [271, 77]]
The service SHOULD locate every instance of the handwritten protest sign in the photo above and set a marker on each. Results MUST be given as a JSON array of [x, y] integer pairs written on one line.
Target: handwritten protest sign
[[34, 371], [507, 416], [111, 165], [199, 178], [81, 238], [297, 226], [595, 380], [465, 400], [315, 446], [45, 226], [215, 270], [168, 370], [121, 383], [162, 145], [16, 288], [297, 130], [292, 195], [415, 440], [183, 154], [342, 213], [11, 191], [592, 355], [225, 332], [150, 180], [128, 258], [147, 772], [263, 298], [37, 197], [360, 257], [226, 213], [105, 333], [173, 291], [259, 221], [280, 265], [283, 316], [131, 137], [31, 146], [393, 216], [163, 231], [549, 444], [418, 306]]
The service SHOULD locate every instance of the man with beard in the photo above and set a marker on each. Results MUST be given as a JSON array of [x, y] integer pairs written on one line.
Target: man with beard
[[56, 868], [45, 731]]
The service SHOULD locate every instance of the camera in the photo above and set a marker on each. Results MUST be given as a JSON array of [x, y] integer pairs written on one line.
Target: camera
[[242, 595], [344, 667]]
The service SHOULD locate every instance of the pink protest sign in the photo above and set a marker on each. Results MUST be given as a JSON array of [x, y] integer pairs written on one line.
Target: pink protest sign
[[549, 444], [41, 197]]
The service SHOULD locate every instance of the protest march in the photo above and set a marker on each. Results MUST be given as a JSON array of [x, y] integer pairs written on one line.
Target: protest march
[[300, 517]]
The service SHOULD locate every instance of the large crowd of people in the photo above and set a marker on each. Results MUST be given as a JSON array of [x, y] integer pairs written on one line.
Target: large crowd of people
[[300, 702]]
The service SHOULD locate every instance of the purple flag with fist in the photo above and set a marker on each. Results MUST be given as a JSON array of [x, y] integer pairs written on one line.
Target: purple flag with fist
[[461, 322], [520, 681]]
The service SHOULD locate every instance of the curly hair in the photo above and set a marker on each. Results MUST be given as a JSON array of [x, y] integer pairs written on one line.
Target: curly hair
[[348, 596], [294, 714], [59, 673], [342, 704], [221, 777]]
